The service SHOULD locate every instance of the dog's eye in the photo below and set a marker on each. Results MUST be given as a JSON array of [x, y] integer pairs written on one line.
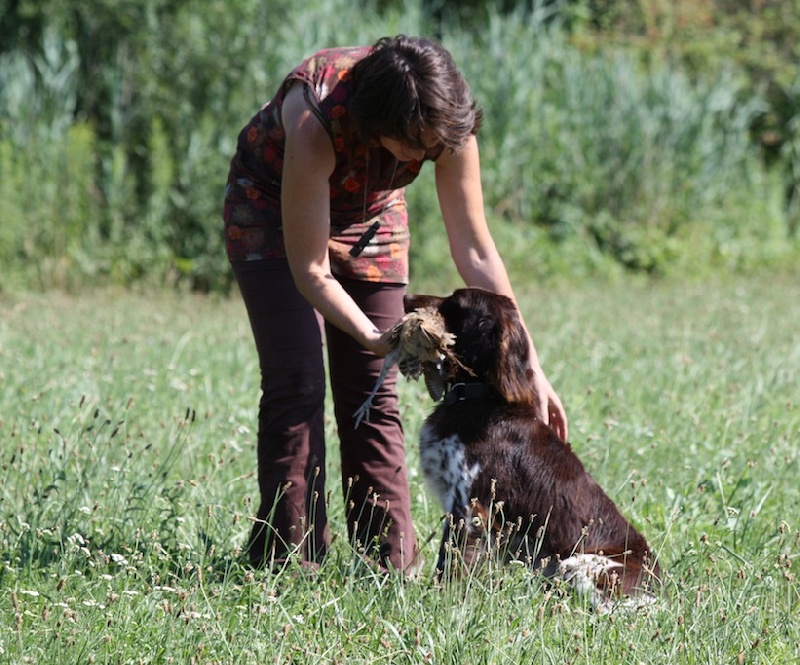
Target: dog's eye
[[485, 325]]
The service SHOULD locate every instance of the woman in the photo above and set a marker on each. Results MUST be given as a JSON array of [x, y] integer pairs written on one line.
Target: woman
[[317, 234]]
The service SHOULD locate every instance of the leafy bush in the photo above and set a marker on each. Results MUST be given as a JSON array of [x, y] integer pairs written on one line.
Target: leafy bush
[[653, 167]]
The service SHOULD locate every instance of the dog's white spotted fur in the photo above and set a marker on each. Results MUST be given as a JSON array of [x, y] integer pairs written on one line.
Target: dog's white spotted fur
[[444, 466], [582, 571]]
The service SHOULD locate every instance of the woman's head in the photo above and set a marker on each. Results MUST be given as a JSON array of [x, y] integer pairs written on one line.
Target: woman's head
[[409, 89]]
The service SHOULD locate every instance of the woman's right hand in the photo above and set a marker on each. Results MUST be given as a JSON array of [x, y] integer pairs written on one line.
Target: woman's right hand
[[378, 343]]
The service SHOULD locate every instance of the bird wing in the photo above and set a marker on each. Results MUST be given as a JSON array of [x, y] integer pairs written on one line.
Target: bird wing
[[419, 345]]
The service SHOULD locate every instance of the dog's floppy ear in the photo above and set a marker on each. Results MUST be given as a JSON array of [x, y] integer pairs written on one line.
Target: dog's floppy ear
[[491, 340], [512, 375]]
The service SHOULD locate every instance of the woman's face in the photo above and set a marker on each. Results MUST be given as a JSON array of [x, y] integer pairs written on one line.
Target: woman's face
[[403, 152]]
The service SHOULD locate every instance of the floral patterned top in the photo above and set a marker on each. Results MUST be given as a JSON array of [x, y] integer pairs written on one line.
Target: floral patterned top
[[367, 183]]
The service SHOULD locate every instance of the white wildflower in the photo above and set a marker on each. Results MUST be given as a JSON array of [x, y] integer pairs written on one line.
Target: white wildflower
[[119, 559]]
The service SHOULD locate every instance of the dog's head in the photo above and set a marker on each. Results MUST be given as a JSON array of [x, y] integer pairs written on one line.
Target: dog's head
[[490, 340]]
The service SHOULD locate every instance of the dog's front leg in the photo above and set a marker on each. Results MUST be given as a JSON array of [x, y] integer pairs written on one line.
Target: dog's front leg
[[444, 549]]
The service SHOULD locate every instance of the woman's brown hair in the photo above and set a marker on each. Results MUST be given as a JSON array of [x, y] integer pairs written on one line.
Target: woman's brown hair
[[410, 85]]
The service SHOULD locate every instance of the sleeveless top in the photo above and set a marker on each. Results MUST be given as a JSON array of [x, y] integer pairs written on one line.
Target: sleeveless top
[[367, 183]]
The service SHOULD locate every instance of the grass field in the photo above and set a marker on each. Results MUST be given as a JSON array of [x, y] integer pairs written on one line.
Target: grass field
[[127, 470]]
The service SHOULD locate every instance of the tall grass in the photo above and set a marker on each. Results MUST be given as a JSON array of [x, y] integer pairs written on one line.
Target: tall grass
[[127, 477]]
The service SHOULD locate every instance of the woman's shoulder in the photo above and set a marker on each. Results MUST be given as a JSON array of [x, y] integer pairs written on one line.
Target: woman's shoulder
[[326, 69], [340, 57]]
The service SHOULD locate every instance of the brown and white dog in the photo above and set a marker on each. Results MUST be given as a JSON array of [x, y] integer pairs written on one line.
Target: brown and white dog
[[510, 486]]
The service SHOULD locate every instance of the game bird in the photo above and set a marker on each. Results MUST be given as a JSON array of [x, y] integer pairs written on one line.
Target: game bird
[[420, 345]]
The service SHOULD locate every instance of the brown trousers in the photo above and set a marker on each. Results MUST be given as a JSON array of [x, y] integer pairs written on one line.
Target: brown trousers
[[289, 336]]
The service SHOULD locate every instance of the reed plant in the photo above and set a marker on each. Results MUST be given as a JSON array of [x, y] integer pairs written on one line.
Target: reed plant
[[652, 166], [611, 158]]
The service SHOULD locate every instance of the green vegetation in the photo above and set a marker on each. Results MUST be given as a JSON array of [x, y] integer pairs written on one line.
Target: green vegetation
[[128, 463], [623, 139], [624, 135]]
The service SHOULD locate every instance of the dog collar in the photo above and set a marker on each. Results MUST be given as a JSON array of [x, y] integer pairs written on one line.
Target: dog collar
[[461, 392]]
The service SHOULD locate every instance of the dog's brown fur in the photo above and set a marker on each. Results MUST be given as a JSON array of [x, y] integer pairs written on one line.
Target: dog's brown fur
[[509, 483]]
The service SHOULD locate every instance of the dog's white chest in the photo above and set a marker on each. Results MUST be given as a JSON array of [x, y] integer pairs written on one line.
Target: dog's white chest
[[444, 465]]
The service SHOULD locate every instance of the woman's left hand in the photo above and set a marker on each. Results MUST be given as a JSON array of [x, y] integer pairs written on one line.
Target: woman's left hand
[[549, 408]]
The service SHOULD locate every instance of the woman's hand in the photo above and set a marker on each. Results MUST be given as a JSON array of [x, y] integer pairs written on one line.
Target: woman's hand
[[378, 343], [548, 405]]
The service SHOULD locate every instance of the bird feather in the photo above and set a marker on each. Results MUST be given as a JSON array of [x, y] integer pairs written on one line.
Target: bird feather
[[420, 345]]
